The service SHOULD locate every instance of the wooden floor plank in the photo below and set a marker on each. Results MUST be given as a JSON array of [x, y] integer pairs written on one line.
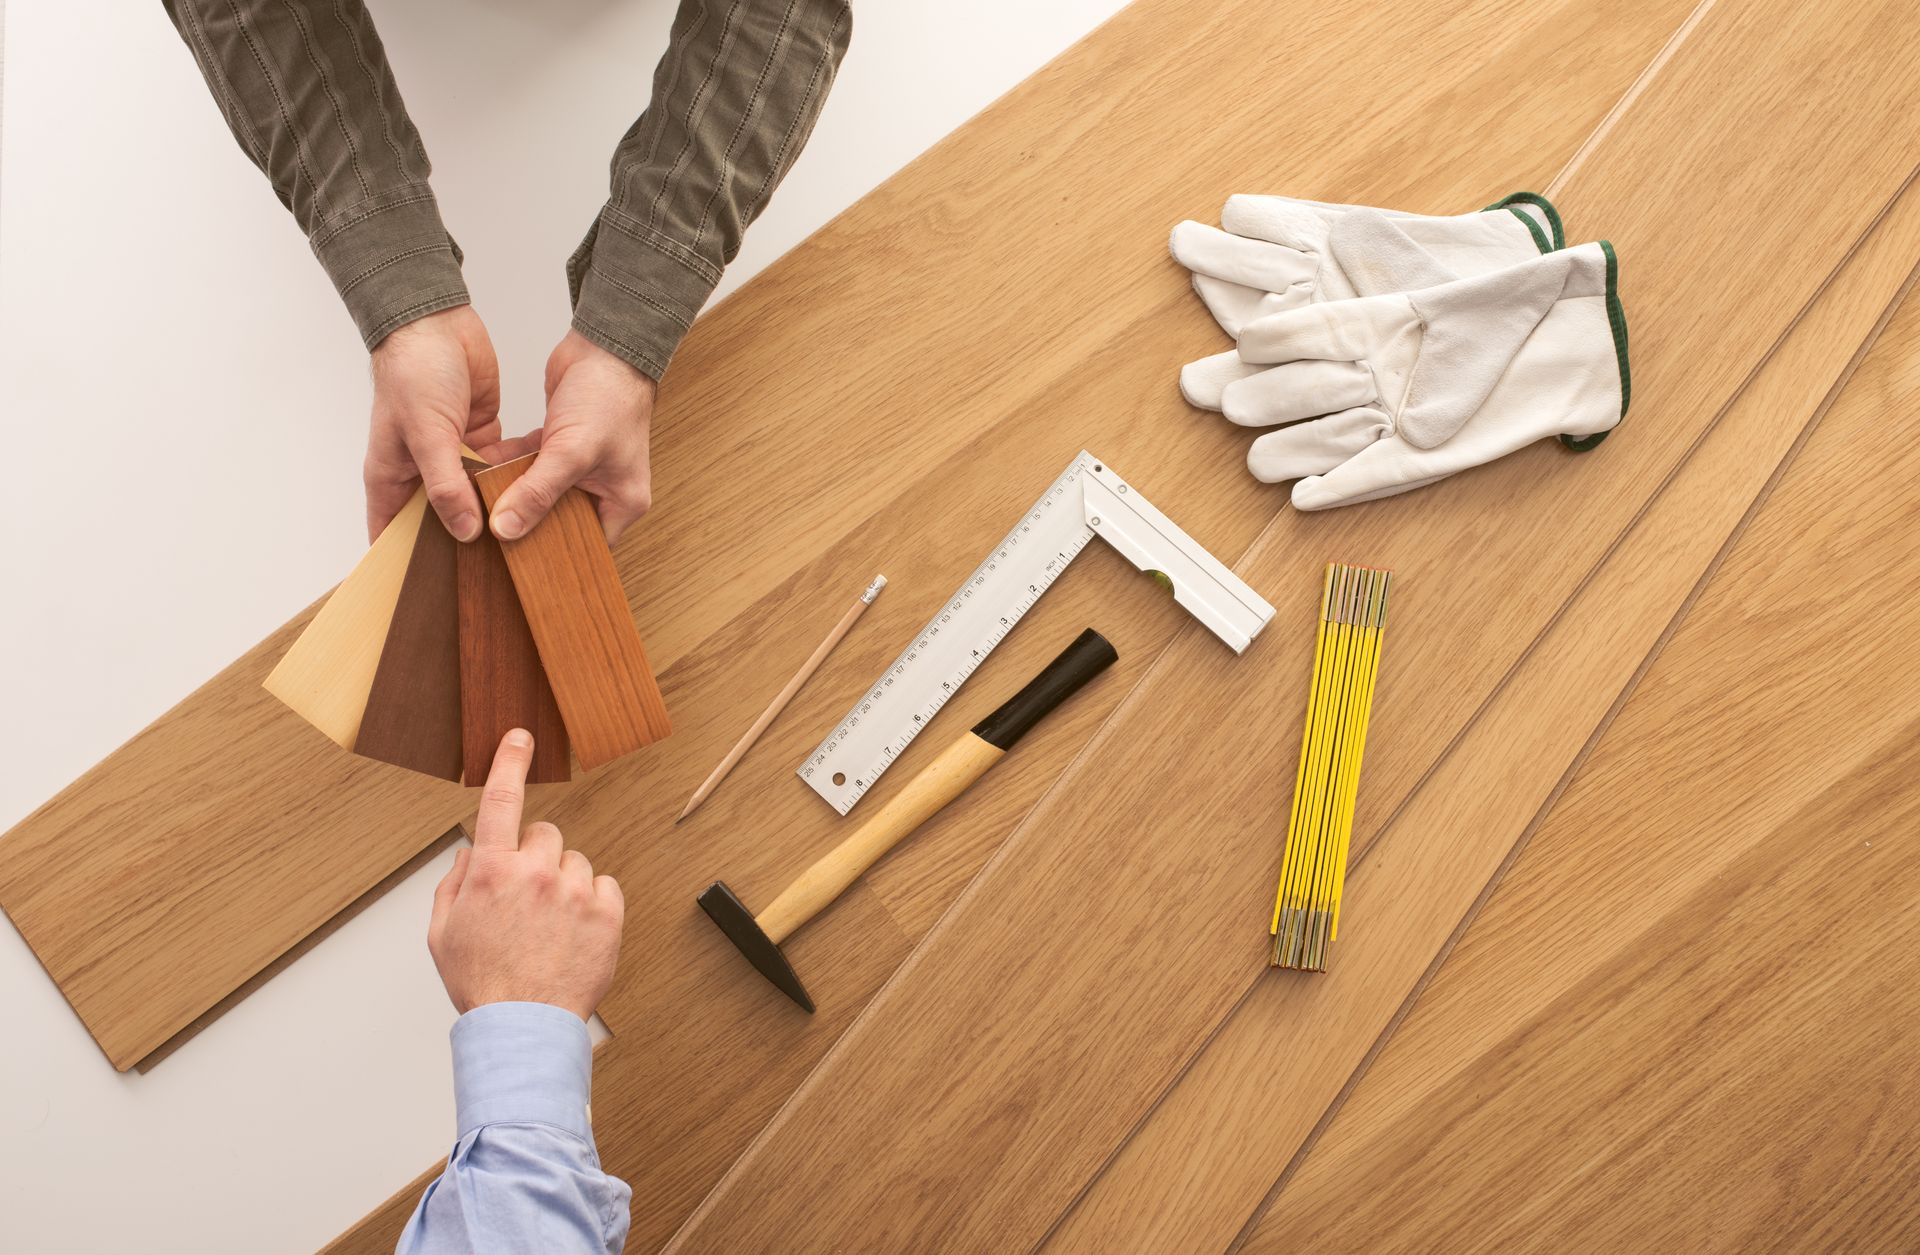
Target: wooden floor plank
[[1216, 1143], [719, 1053], [1143, 951], [1682, 1022]]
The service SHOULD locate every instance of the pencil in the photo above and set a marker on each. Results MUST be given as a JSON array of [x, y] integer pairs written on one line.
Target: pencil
[[785, 695]]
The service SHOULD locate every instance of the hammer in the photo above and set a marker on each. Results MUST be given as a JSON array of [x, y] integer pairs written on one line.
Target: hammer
[[938, 783]]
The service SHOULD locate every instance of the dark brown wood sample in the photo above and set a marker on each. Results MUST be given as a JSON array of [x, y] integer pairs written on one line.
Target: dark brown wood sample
[[570, 592], [413, 710], [502, 684]]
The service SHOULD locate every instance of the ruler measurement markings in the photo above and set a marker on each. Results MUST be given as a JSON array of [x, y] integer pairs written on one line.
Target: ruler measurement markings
[[1008, 560]]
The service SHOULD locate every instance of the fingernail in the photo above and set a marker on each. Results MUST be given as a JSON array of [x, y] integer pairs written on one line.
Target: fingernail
[[465, 526], [506, 525], [519, 739]]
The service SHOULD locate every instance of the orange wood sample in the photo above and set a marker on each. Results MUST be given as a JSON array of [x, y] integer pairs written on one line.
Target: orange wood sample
[[570, 592], [502, 685], [1144, 953], [412, 718]]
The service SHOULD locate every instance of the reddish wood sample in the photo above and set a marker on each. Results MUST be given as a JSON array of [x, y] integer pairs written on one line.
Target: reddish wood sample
[[570, 592], [502, 685], [413, 710]]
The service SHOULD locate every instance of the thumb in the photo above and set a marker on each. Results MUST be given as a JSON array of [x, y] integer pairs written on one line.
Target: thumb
[[526, 501], [449, 491]]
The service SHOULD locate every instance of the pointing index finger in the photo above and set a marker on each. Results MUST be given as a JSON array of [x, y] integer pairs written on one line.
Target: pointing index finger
[[497, 826]]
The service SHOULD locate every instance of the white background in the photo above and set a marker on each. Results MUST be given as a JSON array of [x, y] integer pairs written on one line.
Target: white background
[[184, 405]]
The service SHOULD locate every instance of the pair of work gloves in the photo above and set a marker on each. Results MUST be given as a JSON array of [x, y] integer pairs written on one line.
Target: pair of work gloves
[[1390, 350]]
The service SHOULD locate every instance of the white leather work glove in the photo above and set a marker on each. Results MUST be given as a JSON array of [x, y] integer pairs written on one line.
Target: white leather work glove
[[1279, 253], [1415, 386]]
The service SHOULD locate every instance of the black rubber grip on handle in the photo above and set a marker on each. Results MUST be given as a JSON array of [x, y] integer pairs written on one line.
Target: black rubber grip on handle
[[1088, 656]]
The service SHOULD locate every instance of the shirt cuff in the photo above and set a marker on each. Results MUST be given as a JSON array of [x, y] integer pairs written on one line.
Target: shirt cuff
[[391, 260], [636, 291], [522, 1063]]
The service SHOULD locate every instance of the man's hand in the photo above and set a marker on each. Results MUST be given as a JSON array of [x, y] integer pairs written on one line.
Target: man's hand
[[599, 410], [520, 918], [436, 383]]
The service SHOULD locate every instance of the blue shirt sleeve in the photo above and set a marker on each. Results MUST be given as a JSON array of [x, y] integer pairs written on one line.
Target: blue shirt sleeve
[[524, 1175]]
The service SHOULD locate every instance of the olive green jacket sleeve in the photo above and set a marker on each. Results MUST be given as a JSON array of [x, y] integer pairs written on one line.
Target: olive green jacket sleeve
[[306, 89]]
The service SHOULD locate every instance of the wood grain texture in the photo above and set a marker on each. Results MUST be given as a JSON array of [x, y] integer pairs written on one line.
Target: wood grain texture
[[412, 718], [1145, 952], [701, 1058], [325, 676], [1215, 1144], [502, 684], [1682, 1022], [591, 651]]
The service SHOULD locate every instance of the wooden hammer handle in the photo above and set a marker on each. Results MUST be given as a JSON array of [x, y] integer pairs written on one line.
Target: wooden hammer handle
[[944, 779]]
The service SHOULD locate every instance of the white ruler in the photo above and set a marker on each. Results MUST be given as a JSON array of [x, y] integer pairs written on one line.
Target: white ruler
[[1088, 499]]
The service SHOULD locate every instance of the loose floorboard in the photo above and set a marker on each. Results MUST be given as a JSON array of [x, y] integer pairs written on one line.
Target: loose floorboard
[[1143, 958]]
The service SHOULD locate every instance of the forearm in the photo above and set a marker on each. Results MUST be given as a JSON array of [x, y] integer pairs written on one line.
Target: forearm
[[734, 101], [524, 1175], [306, 89]]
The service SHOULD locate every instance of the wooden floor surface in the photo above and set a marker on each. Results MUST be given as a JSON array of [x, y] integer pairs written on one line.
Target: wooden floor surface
[[1616, 956]]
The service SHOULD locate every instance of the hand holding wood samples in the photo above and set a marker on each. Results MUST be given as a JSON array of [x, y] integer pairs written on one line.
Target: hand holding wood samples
[[427, 660]]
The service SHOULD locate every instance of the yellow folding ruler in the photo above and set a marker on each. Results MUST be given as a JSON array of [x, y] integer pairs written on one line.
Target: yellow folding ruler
[[1346, 659]]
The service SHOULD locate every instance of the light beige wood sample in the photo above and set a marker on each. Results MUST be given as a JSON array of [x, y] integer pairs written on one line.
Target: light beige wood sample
[[1145, 954], [1725, 1063], [327, 672]]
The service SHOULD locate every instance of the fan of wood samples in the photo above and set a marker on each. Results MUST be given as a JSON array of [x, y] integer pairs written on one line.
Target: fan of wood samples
[[431, 650]]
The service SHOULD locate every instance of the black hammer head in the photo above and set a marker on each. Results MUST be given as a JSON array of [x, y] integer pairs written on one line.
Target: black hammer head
[[737, 922]]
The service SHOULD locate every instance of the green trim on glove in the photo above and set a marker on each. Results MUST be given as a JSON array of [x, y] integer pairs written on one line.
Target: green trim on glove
[[1545, 206], [1617, 321]]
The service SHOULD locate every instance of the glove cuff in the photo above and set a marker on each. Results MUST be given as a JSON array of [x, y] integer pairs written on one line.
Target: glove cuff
[[1554, 237], [1617, 323]]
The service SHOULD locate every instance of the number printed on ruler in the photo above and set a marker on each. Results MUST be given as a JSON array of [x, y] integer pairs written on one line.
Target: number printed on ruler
[[953, 645]]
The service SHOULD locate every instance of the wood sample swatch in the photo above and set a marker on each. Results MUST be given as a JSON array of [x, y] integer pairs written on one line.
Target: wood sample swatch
[[326, 675], [412, 718], [1145, 952], [502, 684], [570, 592]]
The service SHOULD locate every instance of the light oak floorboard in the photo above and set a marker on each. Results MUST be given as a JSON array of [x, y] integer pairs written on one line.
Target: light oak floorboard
[[1048, 1052], [1210, 1151], [1682, 1022]]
